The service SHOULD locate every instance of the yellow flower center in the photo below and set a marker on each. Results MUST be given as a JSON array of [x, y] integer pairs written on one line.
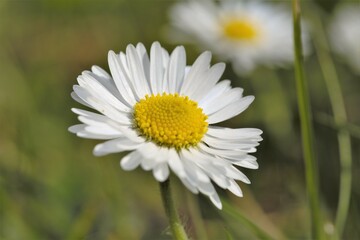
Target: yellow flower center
[[240, 29], [170, 120]]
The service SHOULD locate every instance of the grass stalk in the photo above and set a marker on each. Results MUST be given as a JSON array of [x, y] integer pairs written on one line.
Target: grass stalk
[[338, 108], [311, 172], [229, 210]]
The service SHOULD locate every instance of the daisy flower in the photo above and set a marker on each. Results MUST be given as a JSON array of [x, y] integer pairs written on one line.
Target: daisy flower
[[345, 35], [163, 112], [246, 33]]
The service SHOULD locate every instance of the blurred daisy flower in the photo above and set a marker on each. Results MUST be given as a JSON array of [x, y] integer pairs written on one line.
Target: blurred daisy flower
[[345, 35], [247, 33], [163, 112]]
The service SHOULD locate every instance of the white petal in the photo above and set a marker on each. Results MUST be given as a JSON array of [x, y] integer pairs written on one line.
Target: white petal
[[216, 173], [130, 133], [221, 180], [175, 164], [216, 91], [85, 131], [230, 110], [163, 155], [191, 167], [106, 80], [86, 113], [125, 68], [76, 128], [234, 173], [224, 100], [222, 144], [149, 150], [163, 87], [156, 68], [101, 106], [208, 81], [79, 100], [176, 72], [94, 122], [216, 200], [187, 70], [197, 176], [235, 189], [96, 89], [161, 172], [150, 153], [245, 163], [165, 56], [178, 168], [144, 58], [90, 135], [147, 163], [130, 161], [234, 133], [100, 72], [222, 152], [190, 172], [92, 118], [112, 89], [115, 145], [189, 185], [103, 130], [192, 79], [206, 188], [137, 72], [121, 79]]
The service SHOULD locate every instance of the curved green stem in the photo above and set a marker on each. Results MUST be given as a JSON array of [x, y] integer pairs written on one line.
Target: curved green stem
[[338, 107], [176, 227], [311, 172]]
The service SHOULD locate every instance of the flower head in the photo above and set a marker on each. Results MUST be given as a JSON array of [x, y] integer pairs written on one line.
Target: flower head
[[163, 113], [247, 33], [345, 35]]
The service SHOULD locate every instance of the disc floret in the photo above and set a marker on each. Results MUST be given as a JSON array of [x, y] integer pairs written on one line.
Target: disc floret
[[170, 120]]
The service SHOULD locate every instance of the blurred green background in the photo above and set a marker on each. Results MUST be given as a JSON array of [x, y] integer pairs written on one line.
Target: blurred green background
[[52, 187]]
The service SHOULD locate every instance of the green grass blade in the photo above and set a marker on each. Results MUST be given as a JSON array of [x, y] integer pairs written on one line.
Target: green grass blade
[[311, 172], [338, 107], [229, 210]]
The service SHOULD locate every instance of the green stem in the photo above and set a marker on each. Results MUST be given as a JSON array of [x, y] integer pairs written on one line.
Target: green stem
[[311, 172], [176, 227], [340, 118]]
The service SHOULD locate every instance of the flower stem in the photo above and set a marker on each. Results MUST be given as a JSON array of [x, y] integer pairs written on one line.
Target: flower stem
[[176, 227], [338, 108], [311, 172]]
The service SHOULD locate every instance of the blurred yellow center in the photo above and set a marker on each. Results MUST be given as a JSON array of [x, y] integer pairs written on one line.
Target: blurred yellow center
[[239, 29], [170, 120]]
